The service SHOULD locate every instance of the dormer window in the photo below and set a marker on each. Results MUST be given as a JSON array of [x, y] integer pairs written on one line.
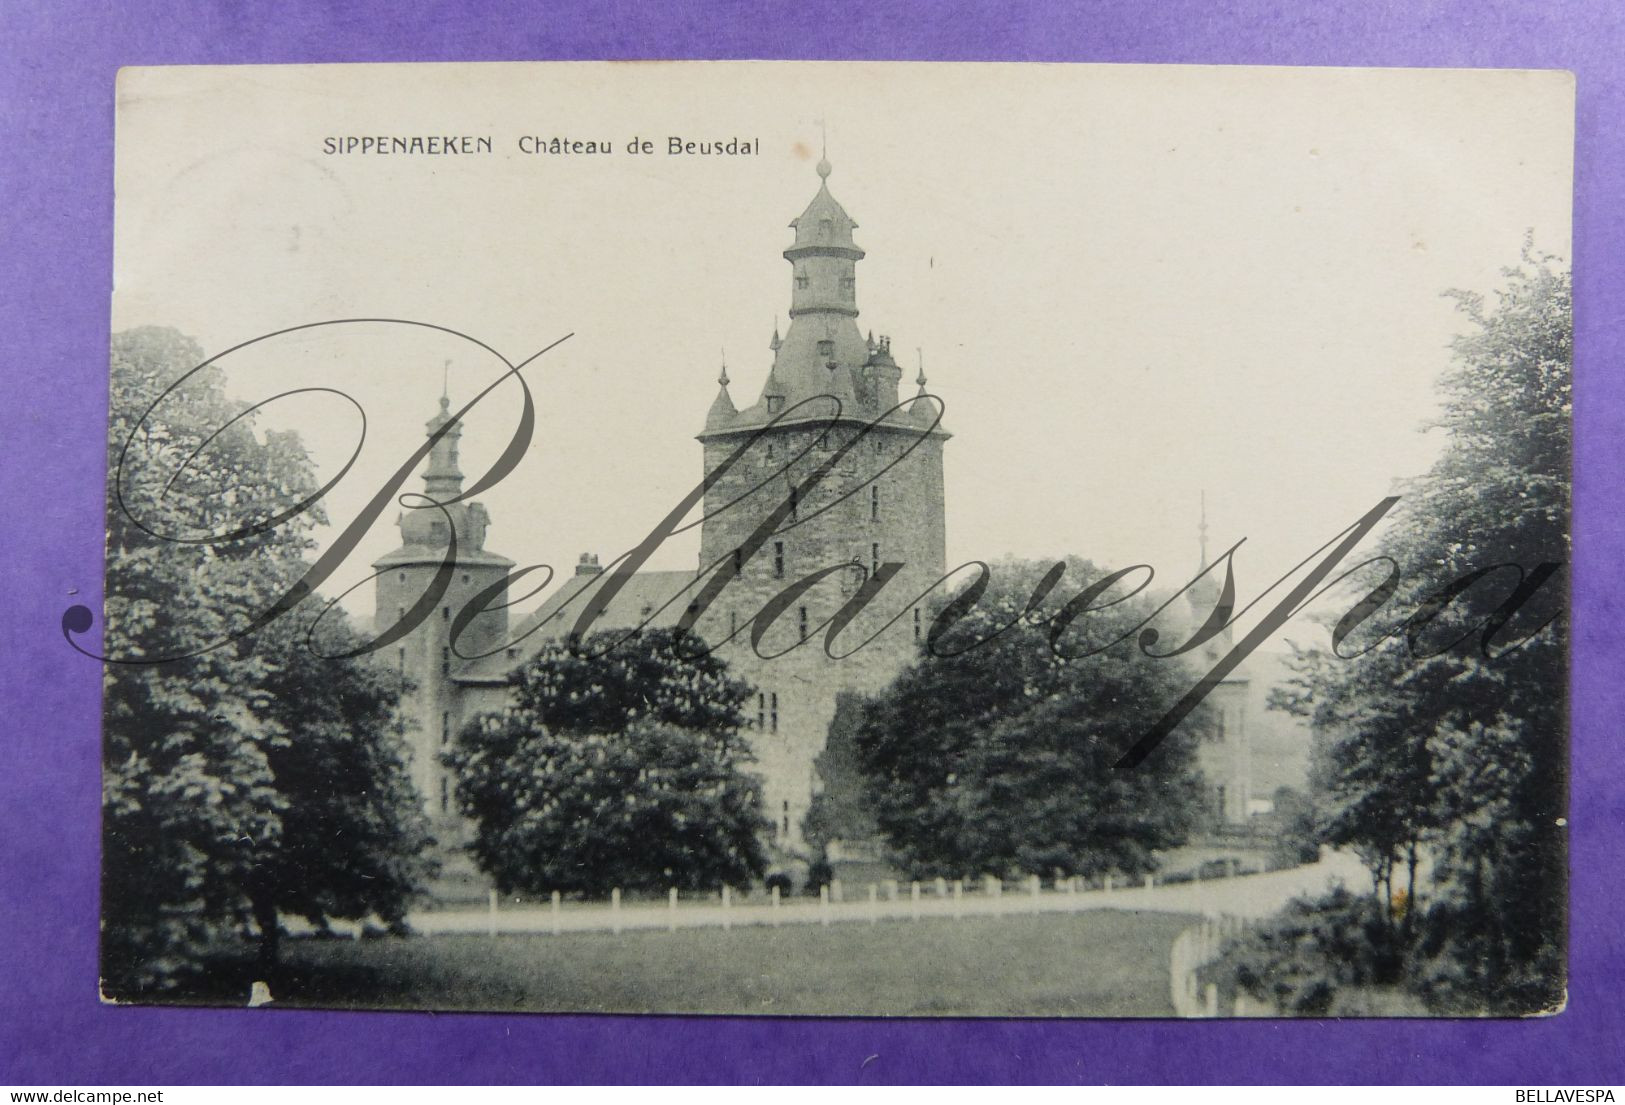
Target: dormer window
[[826, 228], [826, 348], [775, 404]]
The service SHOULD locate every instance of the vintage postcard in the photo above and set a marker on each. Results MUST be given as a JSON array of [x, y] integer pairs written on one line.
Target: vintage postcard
[[838, 539]]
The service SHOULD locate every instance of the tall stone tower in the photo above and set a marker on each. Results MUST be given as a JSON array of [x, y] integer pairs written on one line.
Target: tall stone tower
[[426, 655], [880, 510]]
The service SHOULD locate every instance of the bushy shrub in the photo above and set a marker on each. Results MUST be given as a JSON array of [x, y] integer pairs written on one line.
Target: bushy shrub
[[1302, 957]]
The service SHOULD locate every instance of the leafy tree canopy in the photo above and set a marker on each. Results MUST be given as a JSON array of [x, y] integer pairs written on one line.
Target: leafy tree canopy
[[1443, 724], [619, 767], [999, 758], [243, 779]]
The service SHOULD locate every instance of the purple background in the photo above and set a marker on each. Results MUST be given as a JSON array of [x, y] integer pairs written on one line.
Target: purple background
[[57, 64]]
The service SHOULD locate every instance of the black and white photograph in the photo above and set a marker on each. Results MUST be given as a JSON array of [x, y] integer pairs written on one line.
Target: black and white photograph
[[838, 539]]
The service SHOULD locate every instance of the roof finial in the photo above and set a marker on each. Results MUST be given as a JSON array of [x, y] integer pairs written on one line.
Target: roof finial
[[774, 344], [824, 167], [723, 379], [1201, 529], [920, 354], [445, 385]]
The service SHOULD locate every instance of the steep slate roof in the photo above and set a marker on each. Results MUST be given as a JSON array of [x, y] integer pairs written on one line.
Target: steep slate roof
[[655, 599]]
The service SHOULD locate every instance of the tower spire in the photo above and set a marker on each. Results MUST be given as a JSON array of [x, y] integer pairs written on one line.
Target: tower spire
[[723, 379], [443, 479]]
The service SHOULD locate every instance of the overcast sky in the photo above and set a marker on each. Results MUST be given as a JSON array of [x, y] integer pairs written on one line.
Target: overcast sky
[[1130, 283]]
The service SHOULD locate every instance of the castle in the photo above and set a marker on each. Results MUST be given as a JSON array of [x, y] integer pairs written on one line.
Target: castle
[[869, 533]]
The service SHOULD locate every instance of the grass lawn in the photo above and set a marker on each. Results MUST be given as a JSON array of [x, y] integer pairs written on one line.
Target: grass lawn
[[1101, 963]]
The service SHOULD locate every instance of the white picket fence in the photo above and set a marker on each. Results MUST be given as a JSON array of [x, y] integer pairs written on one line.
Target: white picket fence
[[1194, 949], [880, 901]]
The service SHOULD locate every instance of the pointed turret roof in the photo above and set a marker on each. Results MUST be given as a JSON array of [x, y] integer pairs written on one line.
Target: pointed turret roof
[[722, 411]]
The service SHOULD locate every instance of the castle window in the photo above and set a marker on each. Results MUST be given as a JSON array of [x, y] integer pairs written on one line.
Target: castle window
[[874, 558], [826, 348], [403, 577], [874, 503], [445, 613], [787, 819], [733, 622], [445, 794], [795, 502], [403, 660], [513, 653], [916, 623], [775, 404], [773, 707], [445, 661], [801, 280], [823, 441], [826, 227], [445, 728], [400, 613], [802, 622], [761, 711], [739, 561], [848, 283], [778, 560]]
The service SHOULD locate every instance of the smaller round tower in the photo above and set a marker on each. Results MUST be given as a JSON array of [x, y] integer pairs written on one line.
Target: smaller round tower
[[432, 706]]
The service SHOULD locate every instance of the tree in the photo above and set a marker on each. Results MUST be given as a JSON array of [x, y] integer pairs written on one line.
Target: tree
[[1450, 729], [355, 836], [218, 757], [840, 810], [999, 758], [614, 767]]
